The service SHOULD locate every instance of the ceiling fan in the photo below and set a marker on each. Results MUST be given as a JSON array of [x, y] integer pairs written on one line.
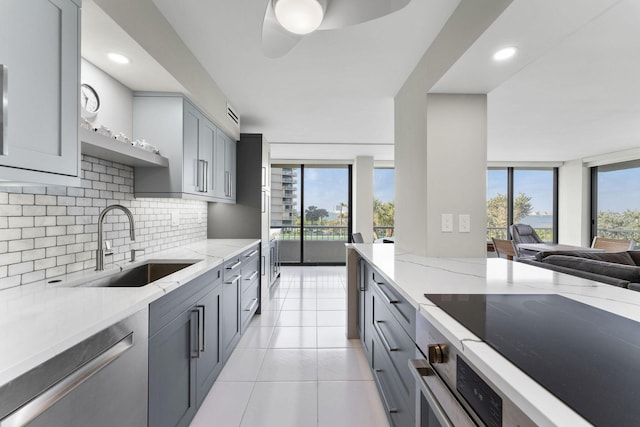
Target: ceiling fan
[[287, 21]]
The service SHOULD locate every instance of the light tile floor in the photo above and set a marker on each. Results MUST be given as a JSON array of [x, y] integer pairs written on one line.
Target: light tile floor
[[294, 366]]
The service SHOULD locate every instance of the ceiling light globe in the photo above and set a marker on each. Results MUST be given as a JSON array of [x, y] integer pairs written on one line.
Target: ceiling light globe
[[506, 53], [299, 16]]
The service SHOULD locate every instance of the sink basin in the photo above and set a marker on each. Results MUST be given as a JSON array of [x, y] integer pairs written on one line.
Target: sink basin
[[137, 276]]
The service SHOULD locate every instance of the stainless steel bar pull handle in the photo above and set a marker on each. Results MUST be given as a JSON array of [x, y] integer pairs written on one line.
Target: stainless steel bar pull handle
[[227, 180], [4, 97], [205, 176], [196, 354]]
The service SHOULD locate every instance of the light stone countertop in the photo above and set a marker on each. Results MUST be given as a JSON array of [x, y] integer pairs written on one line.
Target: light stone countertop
[[40, 320], [413, 276]]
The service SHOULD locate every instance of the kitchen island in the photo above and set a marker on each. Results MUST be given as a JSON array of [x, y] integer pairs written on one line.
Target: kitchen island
[[411, 277], [42, 319]]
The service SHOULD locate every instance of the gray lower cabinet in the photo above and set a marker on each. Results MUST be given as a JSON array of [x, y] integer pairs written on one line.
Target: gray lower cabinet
[[184, 351], [230, 313], [386, 322], [172, 373], [39, 74]]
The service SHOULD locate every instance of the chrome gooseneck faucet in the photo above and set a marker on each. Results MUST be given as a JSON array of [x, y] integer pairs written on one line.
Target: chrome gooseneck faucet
[[100, 250]]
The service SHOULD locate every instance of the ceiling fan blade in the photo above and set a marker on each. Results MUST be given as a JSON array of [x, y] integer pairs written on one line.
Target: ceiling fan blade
[[343, 13], [276, 41]]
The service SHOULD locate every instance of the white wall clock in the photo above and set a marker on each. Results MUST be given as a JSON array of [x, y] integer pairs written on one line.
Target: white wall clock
[[89, 101]]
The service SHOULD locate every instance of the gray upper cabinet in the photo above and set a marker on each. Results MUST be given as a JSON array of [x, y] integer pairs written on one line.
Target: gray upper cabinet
[[197, 153], [39, 67], [226, 168]]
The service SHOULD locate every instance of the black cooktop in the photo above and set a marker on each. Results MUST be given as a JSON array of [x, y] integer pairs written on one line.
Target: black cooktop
[[588, 358]]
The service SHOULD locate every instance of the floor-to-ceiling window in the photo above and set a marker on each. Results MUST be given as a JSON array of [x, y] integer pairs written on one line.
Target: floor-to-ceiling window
[[383, 202], [522, 195], [616, 201], [310, 211]]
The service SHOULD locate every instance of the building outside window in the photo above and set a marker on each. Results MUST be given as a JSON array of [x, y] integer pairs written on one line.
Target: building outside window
[[522, 196], [616, 201]]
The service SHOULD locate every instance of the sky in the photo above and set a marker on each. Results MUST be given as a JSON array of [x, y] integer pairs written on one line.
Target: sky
[[538, 184], [327, 187], [619, 190]]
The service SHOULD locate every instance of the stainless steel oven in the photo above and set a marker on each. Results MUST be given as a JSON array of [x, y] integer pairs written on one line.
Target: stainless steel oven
[[450, 392]]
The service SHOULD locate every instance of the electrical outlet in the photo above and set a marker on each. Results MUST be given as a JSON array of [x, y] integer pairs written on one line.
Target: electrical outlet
[[175, 219], [447, 223], [464, 223]]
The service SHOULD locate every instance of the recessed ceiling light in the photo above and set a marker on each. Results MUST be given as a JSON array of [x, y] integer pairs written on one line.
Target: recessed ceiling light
[[116, 57], [506, 53]]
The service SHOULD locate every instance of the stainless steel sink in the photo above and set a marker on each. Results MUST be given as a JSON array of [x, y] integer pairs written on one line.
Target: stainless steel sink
[[136, 277]]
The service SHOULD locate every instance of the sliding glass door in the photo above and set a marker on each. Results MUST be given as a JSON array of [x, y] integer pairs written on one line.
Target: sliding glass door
[[311, 212]]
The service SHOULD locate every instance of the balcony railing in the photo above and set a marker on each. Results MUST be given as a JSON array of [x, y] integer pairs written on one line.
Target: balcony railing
[[619, 233], [327, 232]]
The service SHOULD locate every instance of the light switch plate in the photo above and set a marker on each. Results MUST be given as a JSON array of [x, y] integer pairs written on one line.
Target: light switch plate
[[447, 223], [175, 219], [464, 223]]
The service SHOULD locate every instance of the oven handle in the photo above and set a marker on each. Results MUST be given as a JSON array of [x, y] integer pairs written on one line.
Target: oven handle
[[420, 368]]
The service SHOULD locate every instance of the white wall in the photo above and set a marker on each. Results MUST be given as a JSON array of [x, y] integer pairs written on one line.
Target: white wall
[[456, 173], [363, 197], [574, 200], [116, 100]]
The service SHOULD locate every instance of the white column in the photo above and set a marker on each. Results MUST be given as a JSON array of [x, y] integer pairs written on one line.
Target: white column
[[574, 210], [363, 197]]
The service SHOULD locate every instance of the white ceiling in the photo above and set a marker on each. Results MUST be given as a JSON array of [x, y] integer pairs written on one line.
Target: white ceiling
[[572, 90]]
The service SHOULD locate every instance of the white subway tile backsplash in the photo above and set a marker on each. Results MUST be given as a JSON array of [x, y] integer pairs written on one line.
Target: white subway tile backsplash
[[20, 222], [44, 221], [33, 210], [21, 199], [10, 234], [29, 233], [22, 268], [10, 258], [56, 231], [10, 210], [33, 254], [56, 210], [48, 231], [46, 200], [20, 245]]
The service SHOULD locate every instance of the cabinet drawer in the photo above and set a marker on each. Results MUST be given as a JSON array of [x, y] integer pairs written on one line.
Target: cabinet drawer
[[252, 252], [249, 303], [404, 312], [250, 273], [165, 309], [394, 341], [399, 409]]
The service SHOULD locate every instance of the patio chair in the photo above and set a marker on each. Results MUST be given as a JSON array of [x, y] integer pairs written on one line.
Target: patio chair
[[524, 233], [504, 248], [612, 245]]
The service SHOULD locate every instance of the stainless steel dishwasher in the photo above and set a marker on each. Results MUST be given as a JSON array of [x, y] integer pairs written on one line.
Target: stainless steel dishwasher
[[101, 381]]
